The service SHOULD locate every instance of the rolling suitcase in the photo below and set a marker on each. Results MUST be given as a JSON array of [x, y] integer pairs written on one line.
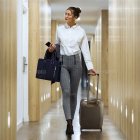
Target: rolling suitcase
[[91, 112]]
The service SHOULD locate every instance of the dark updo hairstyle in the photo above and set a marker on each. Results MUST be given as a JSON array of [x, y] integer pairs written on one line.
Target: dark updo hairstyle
[[75, 10]]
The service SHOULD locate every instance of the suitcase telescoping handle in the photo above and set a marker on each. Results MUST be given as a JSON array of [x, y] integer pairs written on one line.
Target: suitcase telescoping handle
[[97, 76], [97, 85]]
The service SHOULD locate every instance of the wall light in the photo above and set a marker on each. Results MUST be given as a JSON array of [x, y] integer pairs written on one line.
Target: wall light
[[44, 97], [132, 117], [126, 111], [57, 89], [117, 103], [121, 107], [111, 100], [9, 119]]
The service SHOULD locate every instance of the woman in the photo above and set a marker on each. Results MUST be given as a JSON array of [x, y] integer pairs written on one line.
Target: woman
[[73, 40]]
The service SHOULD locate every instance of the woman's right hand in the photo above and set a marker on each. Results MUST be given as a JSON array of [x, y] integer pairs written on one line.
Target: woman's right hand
[[51, 48], [92, 72]]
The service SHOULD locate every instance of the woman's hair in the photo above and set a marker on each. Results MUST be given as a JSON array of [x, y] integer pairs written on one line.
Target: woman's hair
[[75, 10]]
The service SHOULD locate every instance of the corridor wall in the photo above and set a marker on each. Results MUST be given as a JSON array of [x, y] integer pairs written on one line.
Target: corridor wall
[[39, 34], [34, 51], [124, 66], [8, 69], [45, 36], [100, 54]]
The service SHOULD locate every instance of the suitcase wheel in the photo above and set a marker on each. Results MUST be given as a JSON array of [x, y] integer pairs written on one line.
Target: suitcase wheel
[[101, 129]]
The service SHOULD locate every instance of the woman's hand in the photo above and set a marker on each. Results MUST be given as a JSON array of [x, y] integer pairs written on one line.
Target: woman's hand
[[51, 48], [92, 72]]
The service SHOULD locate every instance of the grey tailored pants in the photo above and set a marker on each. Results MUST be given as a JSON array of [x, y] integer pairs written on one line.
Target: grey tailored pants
[[71, 70]]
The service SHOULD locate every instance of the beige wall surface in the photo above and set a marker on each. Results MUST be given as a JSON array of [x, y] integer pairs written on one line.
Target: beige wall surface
[[124, 66], [100, 54], [45, 36], [8, 69], [39, 34], [34, 50]]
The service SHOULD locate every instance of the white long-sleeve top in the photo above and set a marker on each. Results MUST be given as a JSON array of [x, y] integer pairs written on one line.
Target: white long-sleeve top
[[72, 41]]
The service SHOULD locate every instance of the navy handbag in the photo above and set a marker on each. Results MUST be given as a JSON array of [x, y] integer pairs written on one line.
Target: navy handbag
[[49, 68]]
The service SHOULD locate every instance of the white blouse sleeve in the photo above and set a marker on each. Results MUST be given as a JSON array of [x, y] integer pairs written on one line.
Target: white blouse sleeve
[[57, 37], [86, 52]]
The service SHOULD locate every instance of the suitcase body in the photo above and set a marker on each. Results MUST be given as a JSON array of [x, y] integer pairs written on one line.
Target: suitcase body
[[91, 112]]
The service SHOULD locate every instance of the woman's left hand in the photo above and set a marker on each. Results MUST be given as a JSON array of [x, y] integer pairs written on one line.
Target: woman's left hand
[[92, 72]]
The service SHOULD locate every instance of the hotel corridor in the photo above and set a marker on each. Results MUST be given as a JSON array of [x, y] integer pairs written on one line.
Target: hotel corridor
[[31, 108], [53, 125]]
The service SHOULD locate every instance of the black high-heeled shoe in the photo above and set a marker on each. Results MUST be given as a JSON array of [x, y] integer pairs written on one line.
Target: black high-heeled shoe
[[69, 129]]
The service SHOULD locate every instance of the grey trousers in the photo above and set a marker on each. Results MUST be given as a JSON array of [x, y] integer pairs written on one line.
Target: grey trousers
[[71, 70]]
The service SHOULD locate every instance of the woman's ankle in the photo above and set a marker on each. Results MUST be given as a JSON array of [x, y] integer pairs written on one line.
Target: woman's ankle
[[69, 121]]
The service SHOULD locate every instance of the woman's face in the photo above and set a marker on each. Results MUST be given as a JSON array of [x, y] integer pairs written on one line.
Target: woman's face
[[69, 17]]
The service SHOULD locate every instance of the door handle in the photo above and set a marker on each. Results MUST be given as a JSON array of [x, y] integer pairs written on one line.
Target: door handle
[[24, 63]]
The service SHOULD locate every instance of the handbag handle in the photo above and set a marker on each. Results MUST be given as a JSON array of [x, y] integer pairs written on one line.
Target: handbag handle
[[50, 55]]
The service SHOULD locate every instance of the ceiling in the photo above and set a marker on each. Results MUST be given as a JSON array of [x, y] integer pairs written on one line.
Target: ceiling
[[90, 11]]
